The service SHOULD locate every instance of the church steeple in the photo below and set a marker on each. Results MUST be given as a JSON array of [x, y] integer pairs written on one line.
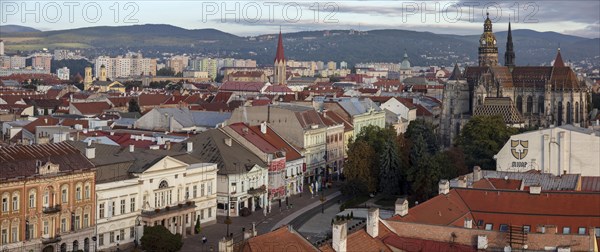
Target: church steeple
[[279, 65], [558, 62], [509, 55], [488, 51]]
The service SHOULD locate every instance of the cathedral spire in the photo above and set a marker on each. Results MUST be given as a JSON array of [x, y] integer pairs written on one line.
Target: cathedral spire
[[456, 74], [558, 62], [509, 55], [279, 56]]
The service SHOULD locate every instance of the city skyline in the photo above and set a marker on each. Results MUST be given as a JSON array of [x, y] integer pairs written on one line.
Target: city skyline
[[247, 18]]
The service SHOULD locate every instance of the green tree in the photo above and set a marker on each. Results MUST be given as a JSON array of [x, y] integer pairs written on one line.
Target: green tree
[[197, 227], [452, 163], [159, 238], [389, 172], [481, 138], [424, 172], [165, 71], [422, 128], [134, 106], [358, 167]]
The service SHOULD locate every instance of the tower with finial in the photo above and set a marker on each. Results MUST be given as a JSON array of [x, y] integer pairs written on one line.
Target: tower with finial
[[279, 65], [488, 50], [509, 55], [103, 76], [87, 78]]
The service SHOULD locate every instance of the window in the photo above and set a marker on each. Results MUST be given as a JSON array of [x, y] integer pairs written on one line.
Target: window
[[202, 214], [77, 222], [87, 191], [86, 220], [4, 236], [112, 237], [202, 190], [503, 227], [30, 234], [194, 191], [78, 193], [209, 189], [132, 232], [489, 226], [101, 239], [46, 199], [63, 225], [132, 205], [121, 235], [64, 195], [46, 227], [526, 229], [15, 206], [111, 209], [122, 206], [597, 231], [101, 210], [209, 212], [15, 234], [32, 199], [4, 203], [581, 231], [566, 230], [187, 192], [233, 187]]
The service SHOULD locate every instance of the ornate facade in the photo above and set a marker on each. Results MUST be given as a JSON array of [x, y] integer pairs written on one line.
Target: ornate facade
[[526, 96]]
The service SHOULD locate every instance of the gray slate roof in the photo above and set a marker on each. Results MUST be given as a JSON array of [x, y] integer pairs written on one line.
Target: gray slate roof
[[548, 181]]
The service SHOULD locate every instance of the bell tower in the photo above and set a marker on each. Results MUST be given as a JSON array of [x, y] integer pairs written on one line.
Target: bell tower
[[279, 64], [488, 50]]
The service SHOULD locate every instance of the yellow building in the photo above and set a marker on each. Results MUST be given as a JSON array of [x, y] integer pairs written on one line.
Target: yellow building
[[48, 198]]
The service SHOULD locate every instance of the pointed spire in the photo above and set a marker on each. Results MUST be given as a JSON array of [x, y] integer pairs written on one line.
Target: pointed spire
[[456, 74], [279, 56], [558, 62], [509, 55]]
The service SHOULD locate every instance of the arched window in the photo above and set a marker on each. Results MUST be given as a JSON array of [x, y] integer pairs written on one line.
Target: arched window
[[15, 201], [87, 190], [163, 184], [75, 245], [5, 199], [64, 193], [541, 104], [78, 192], [32, 198], [529, 104], [560, 114], [520, 104], [577, 112], [569, 113]]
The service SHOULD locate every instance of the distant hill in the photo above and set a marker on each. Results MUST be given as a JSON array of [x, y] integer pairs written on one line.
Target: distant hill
[[423, 48], [16, 28]]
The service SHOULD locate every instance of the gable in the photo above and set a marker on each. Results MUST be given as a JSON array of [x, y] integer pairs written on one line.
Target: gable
[[166, 163]]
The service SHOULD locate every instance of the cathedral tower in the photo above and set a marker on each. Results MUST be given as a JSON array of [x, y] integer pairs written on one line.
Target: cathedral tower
[[509, 55], [279, 71], [488, 50], [87, 78]]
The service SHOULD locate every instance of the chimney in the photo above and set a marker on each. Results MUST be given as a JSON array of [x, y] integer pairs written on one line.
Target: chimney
[[373, 222], [401, 207], [462, 182], [444, 186], [190, 147], [263, 127], [339, 235], [535, 189], [131, 148], [468, 223], [226, 245], [477, 173], [90, 152], [228, 141]]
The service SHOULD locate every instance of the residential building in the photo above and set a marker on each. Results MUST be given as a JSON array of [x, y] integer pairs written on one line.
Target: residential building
[[128, 66], [48, 198], [178, 63], [359, 112], [242, 177], [299, 125], [41, 61], [63, 73]]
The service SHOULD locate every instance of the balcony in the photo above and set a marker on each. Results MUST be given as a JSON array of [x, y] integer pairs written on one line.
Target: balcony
[[51, 209], [48, 240]]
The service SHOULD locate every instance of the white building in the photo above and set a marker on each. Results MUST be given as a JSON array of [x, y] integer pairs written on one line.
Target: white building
[[558, 150], [138, 188], [63, 73]]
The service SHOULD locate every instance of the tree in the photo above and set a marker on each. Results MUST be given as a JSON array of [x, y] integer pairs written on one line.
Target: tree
[[389, 172], [197, 227], [424, 172], [481, 138], [452, 163], [422, 128], [358, 168], [159, 238], [133, 106], [165, 71]]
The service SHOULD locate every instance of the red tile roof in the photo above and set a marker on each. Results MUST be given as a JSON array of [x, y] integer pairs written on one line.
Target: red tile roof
[[281, 239], [590, 184], [418, 245], [242, 86], [152, 99], [91, 108]]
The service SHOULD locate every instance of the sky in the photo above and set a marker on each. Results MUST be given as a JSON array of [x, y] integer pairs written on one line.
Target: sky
[[247, 18]]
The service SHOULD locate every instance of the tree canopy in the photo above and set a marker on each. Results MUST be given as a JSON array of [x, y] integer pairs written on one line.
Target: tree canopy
[[481, 138], [159, 238]]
